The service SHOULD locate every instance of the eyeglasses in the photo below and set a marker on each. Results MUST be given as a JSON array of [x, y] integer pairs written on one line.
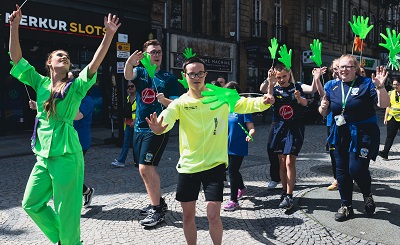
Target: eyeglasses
[[155, 52], [346, 67], [193, 75], [131, 86], [395, 85]]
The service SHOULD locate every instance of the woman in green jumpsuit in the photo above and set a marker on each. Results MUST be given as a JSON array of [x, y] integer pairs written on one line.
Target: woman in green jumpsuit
[[58, 172]]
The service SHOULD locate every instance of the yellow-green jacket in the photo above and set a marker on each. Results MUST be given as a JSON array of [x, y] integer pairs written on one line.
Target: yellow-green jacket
[[203, 133]]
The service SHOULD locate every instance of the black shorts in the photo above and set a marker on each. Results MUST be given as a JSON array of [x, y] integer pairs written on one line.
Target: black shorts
[[188, 187], [149, 147]]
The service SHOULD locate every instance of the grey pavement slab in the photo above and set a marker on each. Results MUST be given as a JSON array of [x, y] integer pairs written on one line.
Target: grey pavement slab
[[120, 193]]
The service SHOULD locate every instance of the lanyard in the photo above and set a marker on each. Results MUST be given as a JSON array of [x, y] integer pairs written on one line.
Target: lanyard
[[344, 99]]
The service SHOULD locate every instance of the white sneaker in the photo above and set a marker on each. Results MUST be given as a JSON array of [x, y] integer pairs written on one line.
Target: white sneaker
[[272, 184], [118, 164]]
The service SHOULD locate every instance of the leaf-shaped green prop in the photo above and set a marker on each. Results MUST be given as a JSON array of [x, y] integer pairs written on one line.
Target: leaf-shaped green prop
[[286, 57], [183, 81], [360, 26], [274, 47], [316, 48], [220, 96], [189, 53], [393, 45], [146, 61]]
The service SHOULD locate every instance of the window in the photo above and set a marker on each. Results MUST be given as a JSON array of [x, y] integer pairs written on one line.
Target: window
[[197, 14], [216, 17], [321, 22], [332, 28], [334, 6], [278, 19], [176, 14], [309, 19], [256, 18], [372, 32]]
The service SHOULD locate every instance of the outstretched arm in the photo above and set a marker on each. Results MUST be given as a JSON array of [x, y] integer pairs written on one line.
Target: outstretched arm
[[14, 45], [112, 25]]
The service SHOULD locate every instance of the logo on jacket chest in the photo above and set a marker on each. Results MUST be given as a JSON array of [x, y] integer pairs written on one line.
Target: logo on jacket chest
[[286, 112], [148, 96]]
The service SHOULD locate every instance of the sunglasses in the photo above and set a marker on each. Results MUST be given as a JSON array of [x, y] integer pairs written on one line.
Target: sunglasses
[[131, 86]]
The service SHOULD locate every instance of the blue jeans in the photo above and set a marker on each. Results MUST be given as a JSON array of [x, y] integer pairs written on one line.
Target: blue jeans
[[355, 165], [128, 137]]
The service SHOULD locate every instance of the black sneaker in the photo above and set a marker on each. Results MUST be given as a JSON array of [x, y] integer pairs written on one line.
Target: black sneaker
[[283, 194], [384, 155], [344, 213], [153, 218], [287, 203], [88, 198], [369, 204], [163, 204]]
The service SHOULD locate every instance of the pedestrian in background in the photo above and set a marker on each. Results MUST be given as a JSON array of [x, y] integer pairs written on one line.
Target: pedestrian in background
[[238, 148], [129, 124], [391, 119], [58, 172], [355, 132]]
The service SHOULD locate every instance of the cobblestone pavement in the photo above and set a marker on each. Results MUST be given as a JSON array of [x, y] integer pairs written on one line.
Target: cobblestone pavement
[[120, 193]]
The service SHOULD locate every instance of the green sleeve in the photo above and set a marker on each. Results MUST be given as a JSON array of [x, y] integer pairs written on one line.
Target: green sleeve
[[27, 74]]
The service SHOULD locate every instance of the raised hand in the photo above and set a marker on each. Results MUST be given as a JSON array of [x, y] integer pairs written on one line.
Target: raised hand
[[155, 124], [220, 96], [381, 76], [135, 58], [111, 24], [15, 17]]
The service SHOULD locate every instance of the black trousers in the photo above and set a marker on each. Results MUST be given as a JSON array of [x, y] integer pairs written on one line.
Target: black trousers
[[392, 127], [273, 157]]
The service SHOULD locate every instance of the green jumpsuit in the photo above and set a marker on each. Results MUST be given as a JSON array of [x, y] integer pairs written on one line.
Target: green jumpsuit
[[59, 169]]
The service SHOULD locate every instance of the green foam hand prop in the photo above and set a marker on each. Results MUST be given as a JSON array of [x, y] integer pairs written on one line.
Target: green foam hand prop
[[189, 53], [151, 69], [360, 26], [183, 81], [393, 45], [316, 48], [220, 96], [274, 47], [286, 57]]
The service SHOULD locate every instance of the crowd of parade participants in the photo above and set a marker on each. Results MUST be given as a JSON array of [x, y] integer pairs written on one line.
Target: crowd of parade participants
[[210, 116]]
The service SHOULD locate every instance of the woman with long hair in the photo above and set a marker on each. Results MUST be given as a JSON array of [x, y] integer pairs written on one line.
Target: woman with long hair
[[58, 171]]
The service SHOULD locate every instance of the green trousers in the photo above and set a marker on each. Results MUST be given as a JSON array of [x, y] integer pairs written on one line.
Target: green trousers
[[59, 177]]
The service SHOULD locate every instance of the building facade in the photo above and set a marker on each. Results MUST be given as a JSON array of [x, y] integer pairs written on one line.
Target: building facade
[[77, 27], [232, 36]]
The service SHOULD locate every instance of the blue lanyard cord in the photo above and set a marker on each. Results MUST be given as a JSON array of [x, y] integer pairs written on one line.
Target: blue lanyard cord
[[344, 99]]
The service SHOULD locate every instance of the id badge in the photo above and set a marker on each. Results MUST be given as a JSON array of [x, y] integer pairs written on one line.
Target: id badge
[[339, 120]]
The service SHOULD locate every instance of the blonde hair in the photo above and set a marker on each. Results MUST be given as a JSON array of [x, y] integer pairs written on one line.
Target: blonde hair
[[50, 104], [355, 62]]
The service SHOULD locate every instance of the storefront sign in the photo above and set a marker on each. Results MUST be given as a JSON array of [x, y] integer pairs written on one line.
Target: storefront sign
[[59, 26], [213, 64]]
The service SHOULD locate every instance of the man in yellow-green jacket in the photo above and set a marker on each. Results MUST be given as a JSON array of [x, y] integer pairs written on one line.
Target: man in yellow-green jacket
[[203, 140]]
